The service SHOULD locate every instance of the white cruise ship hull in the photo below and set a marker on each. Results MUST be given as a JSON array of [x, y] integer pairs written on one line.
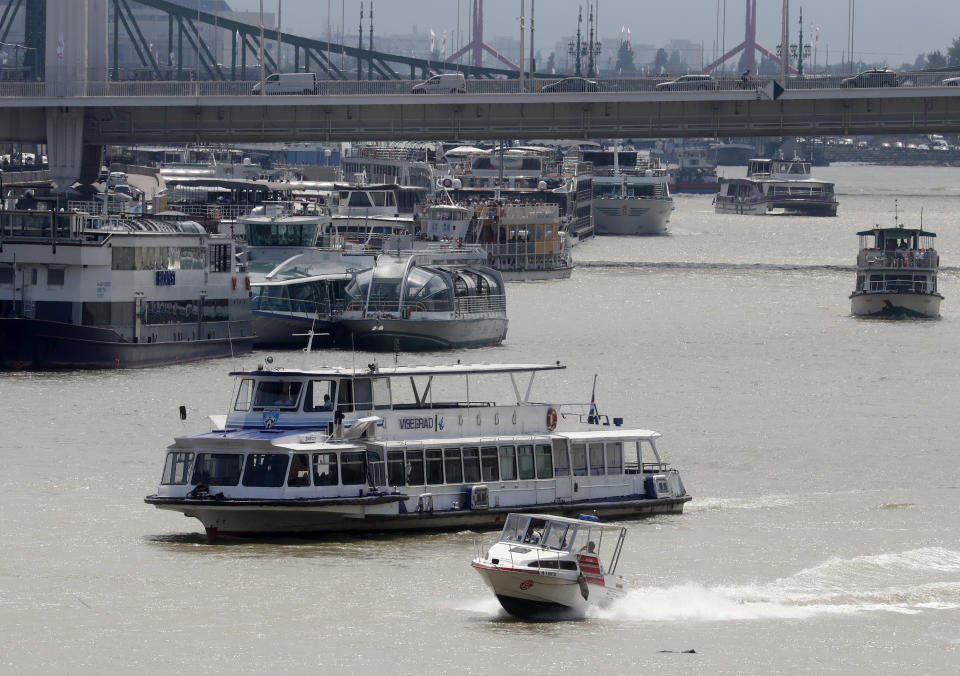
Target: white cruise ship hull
[[380, 513], [631, 216], [920, 305]]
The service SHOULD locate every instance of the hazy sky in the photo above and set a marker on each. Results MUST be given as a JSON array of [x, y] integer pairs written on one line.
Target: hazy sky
[[893, 31]]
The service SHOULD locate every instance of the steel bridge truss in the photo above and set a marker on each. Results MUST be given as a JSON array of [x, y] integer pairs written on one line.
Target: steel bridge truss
[[184, 32]]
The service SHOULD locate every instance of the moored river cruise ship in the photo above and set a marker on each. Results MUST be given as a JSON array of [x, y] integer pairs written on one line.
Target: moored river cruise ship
[[407, 448]]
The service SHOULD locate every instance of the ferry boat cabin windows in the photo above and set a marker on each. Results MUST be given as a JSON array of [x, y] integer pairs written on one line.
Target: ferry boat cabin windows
[[217, 469], [596, 459], [277, 394], [244, 391], [525, 468], [578, 453], [265, 469], [544, 462], [508, 463], [561, 459], [299, 475], [325, 469], [471, 465], [352, 468], [176, 470], [320, 395], [489, 464], [434, 466], [452, 465], [415, 468], [396, 468]]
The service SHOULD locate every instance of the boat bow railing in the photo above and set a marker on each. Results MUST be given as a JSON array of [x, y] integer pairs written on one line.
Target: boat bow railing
[[898, 258]]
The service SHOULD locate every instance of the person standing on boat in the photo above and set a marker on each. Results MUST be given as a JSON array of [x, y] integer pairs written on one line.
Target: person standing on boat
[[532, 536]]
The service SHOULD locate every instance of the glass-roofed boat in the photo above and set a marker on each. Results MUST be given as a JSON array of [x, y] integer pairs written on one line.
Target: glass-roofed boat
[[425, 301]]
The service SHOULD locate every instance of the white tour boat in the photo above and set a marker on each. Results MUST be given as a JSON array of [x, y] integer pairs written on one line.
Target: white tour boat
[[424, 300], [407, 448], [547, 566], [82, 291], [782, 184], [631, 193], [896, 274]]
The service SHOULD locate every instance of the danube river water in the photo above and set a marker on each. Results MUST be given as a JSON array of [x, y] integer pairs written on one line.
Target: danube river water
[[821, 451]]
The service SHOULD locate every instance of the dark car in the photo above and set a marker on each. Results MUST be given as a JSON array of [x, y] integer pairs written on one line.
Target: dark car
[[876, 77], [572, 84]]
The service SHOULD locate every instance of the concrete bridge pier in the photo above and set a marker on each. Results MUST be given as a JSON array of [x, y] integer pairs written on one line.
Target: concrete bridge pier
[[75, 54]]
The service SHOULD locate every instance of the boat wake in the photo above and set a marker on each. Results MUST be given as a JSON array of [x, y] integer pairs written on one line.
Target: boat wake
[[908, 582]]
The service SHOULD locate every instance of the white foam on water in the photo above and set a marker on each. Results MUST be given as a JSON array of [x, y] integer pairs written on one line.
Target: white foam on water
[[907, 582]]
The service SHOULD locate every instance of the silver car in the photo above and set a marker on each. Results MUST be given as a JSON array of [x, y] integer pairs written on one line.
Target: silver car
[[688, 82]]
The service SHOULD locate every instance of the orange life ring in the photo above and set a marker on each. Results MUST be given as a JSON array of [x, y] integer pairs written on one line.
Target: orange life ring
[[233, 282], [551, 419]]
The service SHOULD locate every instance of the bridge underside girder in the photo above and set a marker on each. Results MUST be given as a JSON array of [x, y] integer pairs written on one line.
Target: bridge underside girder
[[483, 119], [291, 119]]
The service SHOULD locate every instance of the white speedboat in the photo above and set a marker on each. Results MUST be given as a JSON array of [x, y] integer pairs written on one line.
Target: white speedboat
[[408, 448], [896, 274], [547, 566]]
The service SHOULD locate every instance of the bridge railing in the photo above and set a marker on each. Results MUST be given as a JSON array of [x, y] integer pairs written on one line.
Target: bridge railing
[[487, 87]]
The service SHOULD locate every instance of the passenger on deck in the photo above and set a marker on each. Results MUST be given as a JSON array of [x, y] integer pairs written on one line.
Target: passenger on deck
[[532, 536]]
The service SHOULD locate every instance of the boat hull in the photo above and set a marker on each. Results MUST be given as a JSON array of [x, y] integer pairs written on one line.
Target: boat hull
[[806, 207], [416, 334], [528, 595], [266, 518], [892, 305], [43, 344], [277, 329], [757, 207], [631, 217]]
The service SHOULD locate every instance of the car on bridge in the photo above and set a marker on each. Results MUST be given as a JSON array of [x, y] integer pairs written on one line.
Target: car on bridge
[[875, 77], [453, 83], [688, 83], [950, 82], [571, 84]]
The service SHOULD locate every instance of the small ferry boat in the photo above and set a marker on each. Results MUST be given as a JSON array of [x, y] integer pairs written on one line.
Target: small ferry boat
[[896, 274], [407, 448], [695, 172], [82, 291], [424, 300], [782, 184], [740, 196], [546, 566]]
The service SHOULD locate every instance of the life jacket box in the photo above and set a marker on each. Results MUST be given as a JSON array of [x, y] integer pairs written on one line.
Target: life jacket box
[[478, 497], [656, 486]]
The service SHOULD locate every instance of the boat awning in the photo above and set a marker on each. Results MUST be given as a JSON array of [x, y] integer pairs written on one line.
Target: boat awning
[[448, 370], [898, 233]]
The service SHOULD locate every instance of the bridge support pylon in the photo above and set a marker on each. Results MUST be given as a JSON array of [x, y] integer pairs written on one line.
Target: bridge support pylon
[[75, 55]]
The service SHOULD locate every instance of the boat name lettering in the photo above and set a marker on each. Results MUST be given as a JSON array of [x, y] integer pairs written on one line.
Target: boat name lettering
[[417, 423], [166, 278]]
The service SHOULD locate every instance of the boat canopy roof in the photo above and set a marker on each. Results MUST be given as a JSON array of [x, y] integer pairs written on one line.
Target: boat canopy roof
[[402, 371], [898, 232]]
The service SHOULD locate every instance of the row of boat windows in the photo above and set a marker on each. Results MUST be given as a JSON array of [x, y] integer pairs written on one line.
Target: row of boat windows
[[31, 276], [410, 467], [282, 234], [155, 312], [159, 258]]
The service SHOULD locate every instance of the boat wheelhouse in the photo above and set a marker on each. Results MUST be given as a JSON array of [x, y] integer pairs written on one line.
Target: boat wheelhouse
[[776, 184], [425, 301], [553, 567], [81, 291], [407, 448], [896, 274]]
